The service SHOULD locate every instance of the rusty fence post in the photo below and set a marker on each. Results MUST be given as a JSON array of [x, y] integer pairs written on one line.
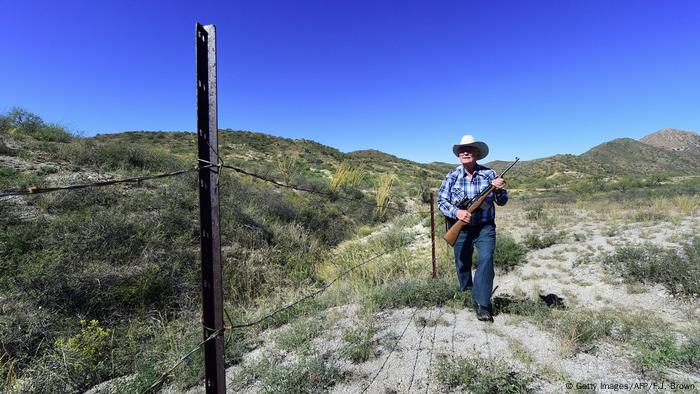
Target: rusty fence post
[[207, 144], [432, 229]]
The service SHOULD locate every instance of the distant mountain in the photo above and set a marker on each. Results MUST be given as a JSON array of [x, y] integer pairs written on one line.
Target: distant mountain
[[666, 150], [674, 140], [628, 156], [571, 165]]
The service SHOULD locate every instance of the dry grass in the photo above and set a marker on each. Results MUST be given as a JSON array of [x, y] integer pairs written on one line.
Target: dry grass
[[383, 191], [347, 176]]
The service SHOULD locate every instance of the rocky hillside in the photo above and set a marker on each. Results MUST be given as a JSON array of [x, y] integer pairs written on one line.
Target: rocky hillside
[[634, 157], [674, 140], [667, 151], [103, 283]]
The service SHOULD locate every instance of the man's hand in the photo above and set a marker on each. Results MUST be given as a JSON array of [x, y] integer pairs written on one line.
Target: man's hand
[[464, 215], [499, 183]]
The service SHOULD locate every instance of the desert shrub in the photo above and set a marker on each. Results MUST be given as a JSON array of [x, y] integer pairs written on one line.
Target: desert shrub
[[85, 353], [360, 346], [75, 362], [25, 122], [53, 133], [541, 240], [581, 329], [416, 293], [5, 123], [307, 375], [287, 166], [118, 156], [6, 150], [646, 215], [100, 253], [679, 272], [508, 253], [298, 336], [481, 375], [535, 212], [11, 179], [79, 199], [684, 356], [627, 183], [587, 185], [522, 307]]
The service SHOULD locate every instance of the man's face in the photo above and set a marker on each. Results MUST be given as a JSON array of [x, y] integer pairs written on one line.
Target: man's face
[[467, 155]]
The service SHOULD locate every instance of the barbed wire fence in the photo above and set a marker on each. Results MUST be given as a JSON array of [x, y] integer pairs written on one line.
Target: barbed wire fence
[[163, 377]]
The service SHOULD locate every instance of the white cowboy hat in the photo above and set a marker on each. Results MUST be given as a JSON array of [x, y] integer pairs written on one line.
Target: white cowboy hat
[[468, 140]]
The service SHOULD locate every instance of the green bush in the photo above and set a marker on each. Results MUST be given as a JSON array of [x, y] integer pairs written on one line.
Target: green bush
[[535, 212], [6, 150], [11, 179], [481, 375], [659, 356], [508, 253], [360, 347], [5, 123], [679, 272], [308, 375], [543, 240], [118, 156], [30, 124], [86, 352], [298, 336], [416, 293]]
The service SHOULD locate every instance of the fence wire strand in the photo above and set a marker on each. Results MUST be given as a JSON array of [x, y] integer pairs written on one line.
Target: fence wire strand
[[39, 190], [205, 165], [182, 359], [319, 291], [308, 190], [167, 373]]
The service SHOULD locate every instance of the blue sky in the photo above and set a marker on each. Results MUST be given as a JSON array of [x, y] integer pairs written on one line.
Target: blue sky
[[531, 78]]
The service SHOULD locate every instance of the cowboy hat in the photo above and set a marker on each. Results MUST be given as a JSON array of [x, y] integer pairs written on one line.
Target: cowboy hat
[[468, 140]]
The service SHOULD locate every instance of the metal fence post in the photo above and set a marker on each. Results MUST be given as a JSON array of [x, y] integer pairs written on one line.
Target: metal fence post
[[207, 139], [432, 229]]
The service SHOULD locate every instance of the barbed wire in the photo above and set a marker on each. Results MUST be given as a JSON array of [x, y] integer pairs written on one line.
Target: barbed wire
[[308, 190], [182, 359], [319, 291], [410, 320], [32, 190], [39, 190], [316, 293], [432, 347], [420, 341]]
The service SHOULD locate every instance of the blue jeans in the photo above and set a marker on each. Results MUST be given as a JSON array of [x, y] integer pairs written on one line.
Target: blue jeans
[[484, 238]]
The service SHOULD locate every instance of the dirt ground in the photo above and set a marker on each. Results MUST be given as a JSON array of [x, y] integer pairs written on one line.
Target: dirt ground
[[409, 349]]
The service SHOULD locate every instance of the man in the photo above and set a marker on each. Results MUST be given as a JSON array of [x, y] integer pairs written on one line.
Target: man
[[462, 184]]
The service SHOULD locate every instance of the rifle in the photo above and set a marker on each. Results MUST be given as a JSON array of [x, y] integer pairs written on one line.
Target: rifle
[[471, 206]]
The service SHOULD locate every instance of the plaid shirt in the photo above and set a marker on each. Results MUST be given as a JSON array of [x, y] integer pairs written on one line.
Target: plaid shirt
[[457, 186]]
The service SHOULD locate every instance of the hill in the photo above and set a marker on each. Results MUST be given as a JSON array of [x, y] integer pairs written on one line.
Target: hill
[[101, 283], [625, 155], [657, 155], [674, 140]]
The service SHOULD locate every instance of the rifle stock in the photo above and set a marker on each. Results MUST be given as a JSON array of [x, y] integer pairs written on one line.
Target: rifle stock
[[452, 234]]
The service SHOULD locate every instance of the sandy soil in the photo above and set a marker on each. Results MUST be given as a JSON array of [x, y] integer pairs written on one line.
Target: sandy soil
[[409, 349]]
